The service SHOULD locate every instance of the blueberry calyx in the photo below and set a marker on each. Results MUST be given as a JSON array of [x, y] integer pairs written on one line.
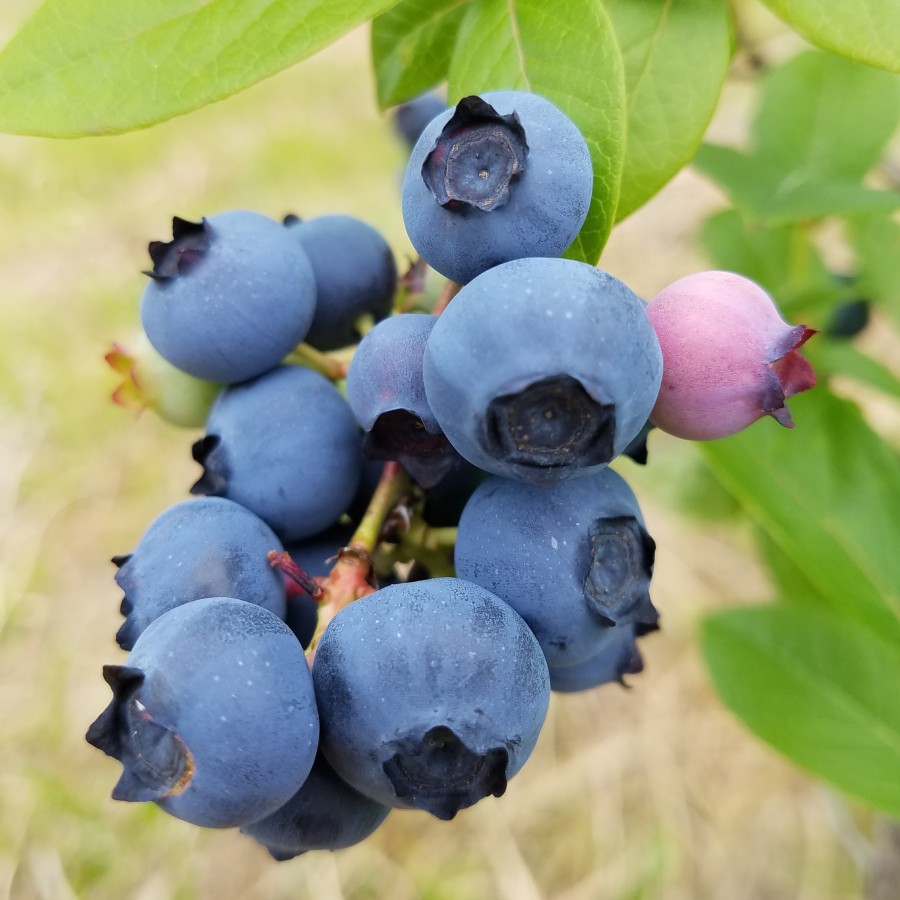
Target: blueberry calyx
[[401, 435], [551, 423], [214, 480], [440, 774], [156, 763], [617, 584], [476, 157], [190, 241]]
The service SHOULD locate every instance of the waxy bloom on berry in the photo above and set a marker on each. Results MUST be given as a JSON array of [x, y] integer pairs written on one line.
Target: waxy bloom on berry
[[728, 356]]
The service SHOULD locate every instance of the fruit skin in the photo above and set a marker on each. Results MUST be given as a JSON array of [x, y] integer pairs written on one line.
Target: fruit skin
[[207, 547], [560, 346], [286, 446], [386, 392], [432, 694], [411, 118], [229, 298], [546, 204], [618, 656], [213, 715], [325, 814], [574, 560], [355, 275], [728, 357]]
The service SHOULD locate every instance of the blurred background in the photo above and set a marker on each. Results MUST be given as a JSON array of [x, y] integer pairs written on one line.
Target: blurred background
[[651, 792]]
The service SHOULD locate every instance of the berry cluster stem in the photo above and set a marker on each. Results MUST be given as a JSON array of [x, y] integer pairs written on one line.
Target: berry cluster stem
[[449, 291], [350, 578], [325, 364]]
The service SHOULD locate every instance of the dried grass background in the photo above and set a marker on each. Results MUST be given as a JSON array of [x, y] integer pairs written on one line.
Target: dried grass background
[[652, 792]]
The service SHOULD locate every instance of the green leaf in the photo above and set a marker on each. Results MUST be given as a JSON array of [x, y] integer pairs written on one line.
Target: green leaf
[[818, 688], [782, 259], [744, 178], [864, 30], [828, 493], [412, 45], [564, 51], [767, 197], [89, 67], [823, 119], [819, 200], [822, 125], [793, 587], [876, 244], [676, 57], [837, 357]]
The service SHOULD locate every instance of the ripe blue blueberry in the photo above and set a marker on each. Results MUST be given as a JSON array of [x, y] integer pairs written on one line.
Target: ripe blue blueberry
[[386, 392], [542, 369], [325, 814], [617, 656], [286, 446], [573, 559], [499, 177], [432, 694], [355, 276], [208, 547], [411, 118], [230, 296], [213, 714]]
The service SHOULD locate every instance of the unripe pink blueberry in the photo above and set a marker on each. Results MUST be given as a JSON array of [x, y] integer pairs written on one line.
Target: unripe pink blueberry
[[728, 356]]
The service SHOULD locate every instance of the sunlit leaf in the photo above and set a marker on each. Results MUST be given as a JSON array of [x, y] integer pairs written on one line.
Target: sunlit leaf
[[823, 119], [819, 688], [676, 57], [412, 44], [88, 67], [864, 30], [566, 52], [827, 492]]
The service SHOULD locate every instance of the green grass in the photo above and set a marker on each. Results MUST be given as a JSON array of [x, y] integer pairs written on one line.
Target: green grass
[[649, 793]]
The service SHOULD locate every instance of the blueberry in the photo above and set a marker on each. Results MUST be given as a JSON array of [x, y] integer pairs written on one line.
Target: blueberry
[[230, 296], [411, 118], [386, 392], [573, 559], [445, 501], [213, 714], [542, 369], [637, 447], [209, 547], [325, 814], [728, 357], [432, 694], [286, 446], [617, 656], [849, 319], [499, 177], [355, 274]]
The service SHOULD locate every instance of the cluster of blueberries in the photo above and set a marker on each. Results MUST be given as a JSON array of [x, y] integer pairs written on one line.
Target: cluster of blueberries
[[505, 408]]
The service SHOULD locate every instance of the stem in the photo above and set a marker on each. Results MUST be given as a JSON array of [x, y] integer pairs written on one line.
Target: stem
[[410, 286], [432, 547], [349, 579], [450, 290], [299, 576], [364, 324], [329, 366]]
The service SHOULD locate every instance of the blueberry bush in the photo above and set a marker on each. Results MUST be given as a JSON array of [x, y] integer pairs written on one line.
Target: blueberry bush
[[412, 474]]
